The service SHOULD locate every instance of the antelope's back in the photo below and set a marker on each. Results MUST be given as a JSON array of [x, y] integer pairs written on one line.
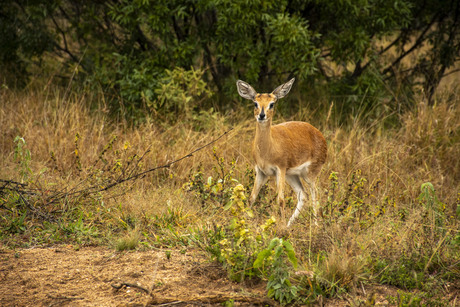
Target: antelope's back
[[299, 142]]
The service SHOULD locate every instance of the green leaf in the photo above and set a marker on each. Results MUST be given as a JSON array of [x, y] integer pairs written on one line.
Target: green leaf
[[290, 253], [261, 257], [273, 243], [277, 286], [270, 292], [228, 205]]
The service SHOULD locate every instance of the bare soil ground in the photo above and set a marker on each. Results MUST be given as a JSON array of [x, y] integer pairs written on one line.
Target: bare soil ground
[[97, 276]]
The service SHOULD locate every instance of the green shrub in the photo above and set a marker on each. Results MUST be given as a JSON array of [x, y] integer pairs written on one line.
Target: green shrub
[[274, 264]]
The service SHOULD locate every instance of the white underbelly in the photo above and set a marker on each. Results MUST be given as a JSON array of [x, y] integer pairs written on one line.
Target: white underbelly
[[272, 170], [299, 170]]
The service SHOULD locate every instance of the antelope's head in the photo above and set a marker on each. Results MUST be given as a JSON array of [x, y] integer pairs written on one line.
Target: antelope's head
[[264, 104]]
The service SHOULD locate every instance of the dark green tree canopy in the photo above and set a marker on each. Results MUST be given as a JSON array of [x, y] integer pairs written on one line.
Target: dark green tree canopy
[[127, 47]]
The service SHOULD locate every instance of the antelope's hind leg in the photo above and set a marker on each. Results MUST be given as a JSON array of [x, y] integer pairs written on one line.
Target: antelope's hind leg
[[296, 184]]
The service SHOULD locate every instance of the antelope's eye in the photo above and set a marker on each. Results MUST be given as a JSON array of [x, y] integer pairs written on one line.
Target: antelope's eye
[[256, 105], [271, 105]]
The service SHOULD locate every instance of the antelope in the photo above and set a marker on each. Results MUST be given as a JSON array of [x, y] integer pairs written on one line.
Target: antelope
[[290, 151]]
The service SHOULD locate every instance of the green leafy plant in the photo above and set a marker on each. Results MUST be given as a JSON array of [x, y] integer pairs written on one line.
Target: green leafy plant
[[406, 273], [427, 298], [434, 208], [241, 240], [273, 260], [22, 157], [14, 224], [79, 230], [243, 255], [239, 248]]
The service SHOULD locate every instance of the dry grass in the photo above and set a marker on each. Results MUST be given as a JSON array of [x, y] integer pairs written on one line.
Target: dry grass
[[371, 208]]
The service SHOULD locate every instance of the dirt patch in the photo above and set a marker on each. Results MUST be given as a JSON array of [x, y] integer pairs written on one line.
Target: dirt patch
[[96, 276]]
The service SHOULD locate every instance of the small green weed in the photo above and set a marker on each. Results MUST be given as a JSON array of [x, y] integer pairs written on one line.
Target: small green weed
[[241, 249], [409, 299], [208, 238], [405, 273], [14, 223], [405, 299], [434, 209], [79, 230], [22, 157]]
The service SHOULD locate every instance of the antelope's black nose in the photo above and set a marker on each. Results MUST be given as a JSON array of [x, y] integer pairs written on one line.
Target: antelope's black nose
[[262, 114]]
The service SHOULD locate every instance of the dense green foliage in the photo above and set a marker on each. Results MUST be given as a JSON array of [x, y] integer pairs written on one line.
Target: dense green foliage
[[353, 49]]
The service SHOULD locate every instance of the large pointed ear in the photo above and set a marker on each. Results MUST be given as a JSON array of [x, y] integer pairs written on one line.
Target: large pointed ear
[[245, 90], [283, 89]]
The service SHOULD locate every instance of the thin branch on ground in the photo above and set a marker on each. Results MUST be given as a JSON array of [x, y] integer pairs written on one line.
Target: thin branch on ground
[[120, 285]]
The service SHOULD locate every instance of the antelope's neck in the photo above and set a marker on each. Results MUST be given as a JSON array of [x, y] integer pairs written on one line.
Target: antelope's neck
[[263, 139]]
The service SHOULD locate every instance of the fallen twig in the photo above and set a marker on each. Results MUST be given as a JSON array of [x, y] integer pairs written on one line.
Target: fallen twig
[[118, 286]]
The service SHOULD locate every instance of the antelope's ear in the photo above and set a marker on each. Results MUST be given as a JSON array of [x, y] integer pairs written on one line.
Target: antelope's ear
[[245, 90], [283, 89]]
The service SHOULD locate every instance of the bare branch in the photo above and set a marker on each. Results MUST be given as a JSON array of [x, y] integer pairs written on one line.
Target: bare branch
[[29, 195]]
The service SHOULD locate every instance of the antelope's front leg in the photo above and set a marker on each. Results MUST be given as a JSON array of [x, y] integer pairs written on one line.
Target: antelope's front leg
[[260, 180], [280, 181]]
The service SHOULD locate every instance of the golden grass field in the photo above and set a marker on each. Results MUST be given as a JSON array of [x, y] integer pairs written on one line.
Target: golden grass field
[[377, 227]]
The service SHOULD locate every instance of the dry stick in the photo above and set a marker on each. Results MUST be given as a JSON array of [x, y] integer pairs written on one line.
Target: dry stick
[[435, 251], [34, 210], [144, 173], [128, 284], [172, 303], [95, 189], [20, 189]]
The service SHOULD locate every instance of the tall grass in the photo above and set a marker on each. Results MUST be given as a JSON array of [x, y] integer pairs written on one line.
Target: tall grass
[[381, 220]]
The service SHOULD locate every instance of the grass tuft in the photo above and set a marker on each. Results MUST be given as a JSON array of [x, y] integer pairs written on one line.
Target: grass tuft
[[129, 242]]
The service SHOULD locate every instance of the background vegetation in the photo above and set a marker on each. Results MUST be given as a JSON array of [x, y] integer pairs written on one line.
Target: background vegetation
[[95, 96], [127, 49]]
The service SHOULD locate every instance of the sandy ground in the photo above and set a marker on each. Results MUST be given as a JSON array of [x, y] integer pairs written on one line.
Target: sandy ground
[[96, 276]]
